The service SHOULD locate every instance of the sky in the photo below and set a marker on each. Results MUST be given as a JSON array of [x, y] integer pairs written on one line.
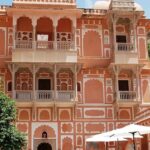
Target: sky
[[89, 3]]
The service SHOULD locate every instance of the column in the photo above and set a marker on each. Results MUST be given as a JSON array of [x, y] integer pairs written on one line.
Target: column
[[73, 45], [74, 34], [55, 22], [14, 35], [15, 18], [138, 89], [135, 34], [34, 23], [116, 70], [55, 82], [114, 30], [34, 92], [75, 82], [55, 38], [13, 82]]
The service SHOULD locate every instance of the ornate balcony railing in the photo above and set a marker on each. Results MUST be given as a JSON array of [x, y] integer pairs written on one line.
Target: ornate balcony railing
[[23, 95], [44, 95], [24, 44], [125, 47], [65, 45], [59, 45], [65, 95], [126, 96], [45, 45]]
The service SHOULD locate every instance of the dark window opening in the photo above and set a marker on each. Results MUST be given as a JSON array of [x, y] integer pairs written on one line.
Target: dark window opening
[[44, 134], [121, 39], [78, 87], [123, 85], [44, 84], [9, 86]]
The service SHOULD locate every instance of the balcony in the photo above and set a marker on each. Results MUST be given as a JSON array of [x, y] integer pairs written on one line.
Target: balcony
[[23, 96], [44, 96], [44, 51], [125, 54], [126, 97], [65, 95], [125, 47]]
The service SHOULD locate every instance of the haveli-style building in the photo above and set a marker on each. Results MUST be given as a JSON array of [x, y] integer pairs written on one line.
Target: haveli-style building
[[75, 72]]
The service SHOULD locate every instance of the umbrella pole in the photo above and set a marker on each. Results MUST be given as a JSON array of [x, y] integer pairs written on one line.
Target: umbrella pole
[[133, 134]]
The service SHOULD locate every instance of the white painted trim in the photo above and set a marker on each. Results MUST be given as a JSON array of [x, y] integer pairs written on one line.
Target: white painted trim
[[67, 136], [45, 109], [27, 110], [98, 30], [98, 109], [85, 79], [141, 27], [139, 51]]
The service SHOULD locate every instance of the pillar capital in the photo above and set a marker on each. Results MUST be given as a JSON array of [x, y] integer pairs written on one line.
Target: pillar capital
[[55, 21], [34, 21]]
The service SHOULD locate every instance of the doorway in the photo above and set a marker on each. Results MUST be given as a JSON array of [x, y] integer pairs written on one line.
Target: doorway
[[44, 84], [44, 146]]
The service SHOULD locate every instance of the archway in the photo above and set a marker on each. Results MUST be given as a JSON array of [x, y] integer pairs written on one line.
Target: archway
[[44, 146]]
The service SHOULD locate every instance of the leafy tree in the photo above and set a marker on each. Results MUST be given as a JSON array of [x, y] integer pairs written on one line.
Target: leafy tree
[[10, 137]]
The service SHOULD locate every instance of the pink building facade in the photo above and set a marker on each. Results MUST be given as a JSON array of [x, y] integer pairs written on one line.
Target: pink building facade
[[75, 72]]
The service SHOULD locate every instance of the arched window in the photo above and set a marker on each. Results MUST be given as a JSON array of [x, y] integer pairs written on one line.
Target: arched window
[[9, 86], [44, 134]]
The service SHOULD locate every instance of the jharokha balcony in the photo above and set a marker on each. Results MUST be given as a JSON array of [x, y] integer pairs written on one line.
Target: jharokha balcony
[[51, 84], [125, 53], [55, 42]]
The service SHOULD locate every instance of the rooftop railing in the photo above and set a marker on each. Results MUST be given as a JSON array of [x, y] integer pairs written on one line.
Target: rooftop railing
[[45, 1], [94, 12]]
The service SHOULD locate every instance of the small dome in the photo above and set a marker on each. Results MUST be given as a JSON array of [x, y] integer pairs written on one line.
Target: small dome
[[102, 4], [138, 7]]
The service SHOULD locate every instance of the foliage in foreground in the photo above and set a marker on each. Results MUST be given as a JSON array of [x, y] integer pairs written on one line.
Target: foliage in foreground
[[10, 137]]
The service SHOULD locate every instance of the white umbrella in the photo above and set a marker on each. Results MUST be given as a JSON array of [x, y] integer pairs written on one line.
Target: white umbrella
[[104, 139], [113, 133], [133, 130], [101, 138]]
